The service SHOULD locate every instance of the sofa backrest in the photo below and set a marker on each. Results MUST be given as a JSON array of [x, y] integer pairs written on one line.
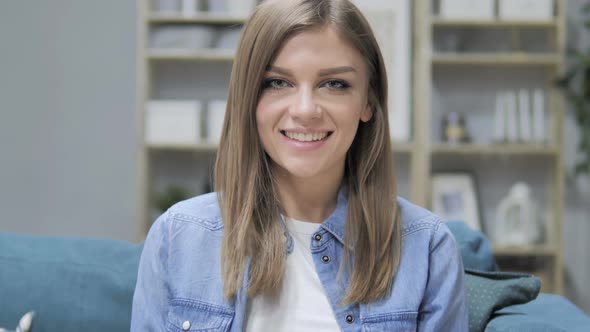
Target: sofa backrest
[[72, 284]]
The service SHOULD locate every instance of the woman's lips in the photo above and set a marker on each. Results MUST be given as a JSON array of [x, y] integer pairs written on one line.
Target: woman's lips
[[303, 146]]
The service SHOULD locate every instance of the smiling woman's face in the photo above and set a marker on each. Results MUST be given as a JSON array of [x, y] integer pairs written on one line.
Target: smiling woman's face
[[313, 96]]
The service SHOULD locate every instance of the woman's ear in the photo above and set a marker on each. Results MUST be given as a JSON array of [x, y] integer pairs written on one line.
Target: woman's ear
[[367, 113]]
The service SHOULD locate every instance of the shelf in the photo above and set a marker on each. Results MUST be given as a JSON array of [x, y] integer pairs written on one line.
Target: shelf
[[494, 149], [527, 250], [192, 55], [197, 147], [500, 59], [211, 147], [496, 23], [198, 18]]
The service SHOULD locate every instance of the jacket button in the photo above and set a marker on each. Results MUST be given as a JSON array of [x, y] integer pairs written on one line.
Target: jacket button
[[186, 325], [325, 259], [349, 319], [318, 237]]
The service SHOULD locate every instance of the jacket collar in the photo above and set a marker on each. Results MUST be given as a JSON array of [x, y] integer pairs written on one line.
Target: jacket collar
[[336, 222]]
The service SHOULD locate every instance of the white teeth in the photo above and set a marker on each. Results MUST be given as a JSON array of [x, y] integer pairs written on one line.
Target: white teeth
[[306, 137]]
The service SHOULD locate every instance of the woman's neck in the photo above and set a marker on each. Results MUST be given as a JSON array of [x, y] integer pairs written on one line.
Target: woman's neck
[[310, 200]]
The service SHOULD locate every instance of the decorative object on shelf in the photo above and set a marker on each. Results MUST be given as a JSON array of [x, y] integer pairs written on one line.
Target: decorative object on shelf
[[511, 117], [228, 38], [500, 118], [517, 221], [391, 24], [171, 196], [539, 135], [182, 37], [574, 84], [215, 115], [467, 9], [454, 129], [524, 116], [166, 6], [454, 198], [173, 122], [529, 10], [515, 122], [189, 7]]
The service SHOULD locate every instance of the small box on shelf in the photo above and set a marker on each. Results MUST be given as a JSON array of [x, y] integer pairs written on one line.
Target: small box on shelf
[[237, 7], [467, 9], [215, 117], [526, 10], [173, 122]]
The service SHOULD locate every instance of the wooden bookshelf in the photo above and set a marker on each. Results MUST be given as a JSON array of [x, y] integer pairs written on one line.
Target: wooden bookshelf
[[427, 64]]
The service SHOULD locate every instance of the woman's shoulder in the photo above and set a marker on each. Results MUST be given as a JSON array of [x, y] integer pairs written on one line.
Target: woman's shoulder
[[201, 211], [415, 218], [424, 232]]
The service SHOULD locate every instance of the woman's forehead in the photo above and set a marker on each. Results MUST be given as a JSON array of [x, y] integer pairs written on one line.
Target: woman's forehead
[[319, 46]]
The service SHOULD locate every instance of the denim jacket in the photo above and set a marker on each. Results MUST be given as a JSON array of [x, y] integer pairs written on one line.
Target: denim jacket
[[180, 287]]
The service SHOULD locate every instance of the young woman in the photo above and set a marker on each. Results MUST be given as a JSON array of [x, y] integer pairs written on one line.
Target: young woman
[[305, 232]]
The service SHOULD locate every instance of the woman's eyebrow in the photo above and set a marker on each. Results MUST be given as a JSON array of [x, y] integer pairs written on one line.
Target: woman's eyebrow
[[336, 70], [322, 72], [279, 70]]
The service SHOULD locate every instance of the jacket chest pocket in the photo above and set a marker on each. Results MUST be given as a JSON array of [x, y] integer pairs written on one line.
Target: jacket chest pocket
[[399, 322], [185, 315]]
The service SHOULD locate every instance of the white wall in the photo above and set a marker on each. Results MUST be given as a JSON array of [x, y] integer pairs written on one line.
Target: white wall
[[67, 117]]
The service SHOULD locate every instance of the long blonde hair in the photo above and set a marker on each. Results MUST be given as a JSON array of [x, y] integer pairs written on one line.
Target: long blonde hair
[[244, 181]]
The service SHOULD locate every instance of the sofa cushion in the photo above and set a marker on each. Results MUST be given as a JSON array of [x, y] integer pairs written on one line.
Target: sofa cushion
[[550, 313], [491, 291], [475, 248], [72, 284]]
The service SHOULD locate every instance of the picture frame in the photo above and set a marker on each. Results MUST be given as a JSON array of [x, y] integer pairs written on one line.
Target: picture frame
[[454, 197]]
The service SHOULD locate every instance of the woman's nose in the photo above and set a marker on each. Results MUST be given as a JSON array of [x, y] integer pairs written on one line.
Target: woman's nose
[[305, 106]]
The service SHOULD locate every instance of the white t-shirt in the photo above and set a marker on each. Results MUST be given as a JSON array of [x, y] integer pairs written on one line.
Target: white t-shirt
[[302, 304]]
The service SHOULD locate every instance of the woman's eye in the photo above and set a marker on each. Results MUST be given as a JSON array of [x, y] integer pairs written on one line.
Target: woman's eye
[[275, 84], [336, 85]]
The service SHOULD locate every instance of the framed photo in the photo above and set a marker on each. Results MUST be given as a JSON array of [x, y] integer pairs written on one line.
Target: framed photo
[[454, 198]]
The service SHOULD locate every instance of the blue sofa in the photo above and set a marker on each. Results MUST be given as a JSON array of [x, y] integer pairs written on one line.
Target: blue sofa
[[76, 284]]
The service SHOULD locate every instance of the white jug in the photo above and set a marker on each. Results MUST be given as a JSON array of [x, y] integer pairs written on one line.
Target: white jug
[[517, 221]]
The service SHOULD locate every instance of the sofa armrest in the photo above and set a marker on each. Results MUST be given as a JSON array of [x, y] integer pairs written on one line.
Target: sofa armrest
[[546, 313]]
